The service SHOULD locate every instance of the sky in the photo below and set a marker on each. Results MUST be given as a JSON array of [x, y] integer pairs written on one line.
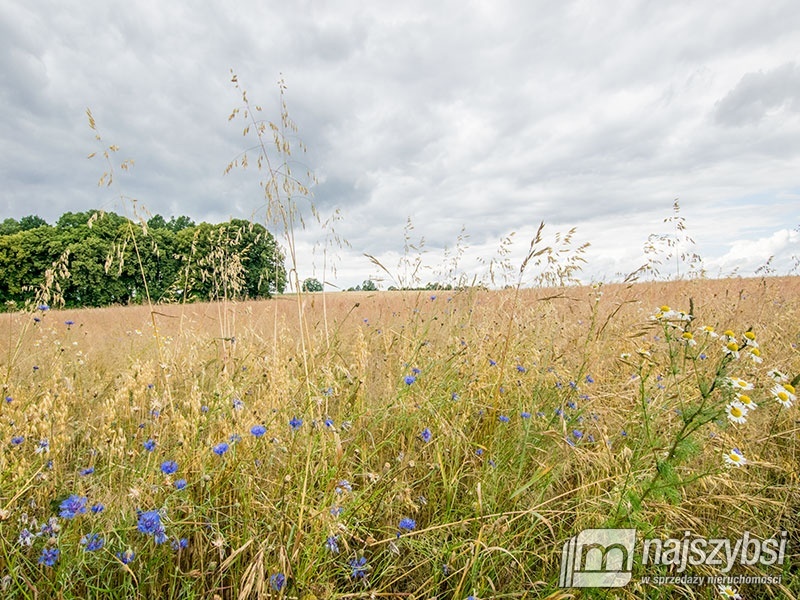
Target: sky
[[435, 130]]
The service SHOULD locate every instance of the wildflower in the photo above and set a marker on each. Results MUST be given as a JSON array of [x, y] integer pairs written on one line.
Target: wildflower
[[784, 394], [577, 434], [736, 412], [750, 339], [571, 405], [332, 544], [525, 414], [688, 338], [729, 592], [86, 471], [150, 445], [492, 363], [73, 506], [43, 307], [179, 544], [479, 451], [204, 409], [237, 404], [296, 423], [409, 379], [126, 557], [49, 557], [755, 355], [43, 447], [220, 449], [746, 401], [777, 376], [150, 524], [97, 508], [359, 568], [735, 458], [709, 331], [258, 430], [416, 371], [739, 384], [589, 379], [92, 542], [336, 511], [540, 414], [168, 467], [731, 349], [426, 435], [17, 440], [503, 419], [26, 538], [69, 323], [235, 438], [277, 581], [343, 486], [408, 524], [180, 484], [9, 399], [521, 369], [703, 356], [51, 528]]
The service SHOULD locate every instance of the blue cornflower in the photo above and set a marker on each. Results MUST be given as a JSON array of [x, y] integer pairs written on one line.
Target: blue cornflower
[[703, 356], [235, 438], [408, 524], [168, 467], [521, 369], [150, 524], [237, 404], [126, 557], [577, 434], [336, 511], [97, 508], [492, 363], [426, 435], [150, 445], [86, 471], [49, 556], [590, 438], [571, 404], [43, 307], [220, 449], [9, 399], [623, 433], [69, 323], [17, 440], [26, 538], [296, 423], [329, 422], [204, 409], [559, 412], [258, 430], [479, 451], [589, 379], [180, 484], [454, 396], [409, 379], [343, 486], [359, 568], [525, 414], [331, 544], [503, 419], [277, 581], [43, 447], [92, 542], [51, 528], [416, 371], [573, 385], [492, 463], [73, 506], [179, 544], [540, 414]]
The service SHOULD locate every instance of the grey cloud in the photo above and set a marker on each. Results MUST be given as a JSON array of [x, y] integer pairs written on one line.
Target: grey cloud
[[758, 93]]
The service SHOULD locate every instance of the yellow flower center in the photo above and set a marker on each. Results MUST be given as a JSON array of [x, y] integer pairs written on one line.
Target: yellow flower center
[[789, 388], [664, 308], [744, 399], [735, 457], [756, 352], [783, 396], [687, 335], [750, 335], [729, 333], [732, 346], [736, 412]]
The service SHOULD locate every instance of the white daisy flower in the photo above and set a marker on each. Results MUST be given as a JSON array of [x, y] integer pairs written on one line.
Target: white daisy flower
[[735, 458], [688, 338], [729, 592], [737, 412], [750, 339], [739, 384], [784, 394], [778, 376], [746, 401], [709, 330], [731, 348], [755, 355]]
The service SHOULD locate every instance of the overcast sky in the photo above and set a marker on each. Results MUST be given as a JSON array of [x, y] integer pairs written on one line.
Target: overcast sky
[[489, 116]]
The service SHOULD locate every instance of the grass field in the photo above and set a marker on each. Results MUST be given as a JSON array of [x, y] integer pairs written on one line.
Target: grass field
[[396, 444]]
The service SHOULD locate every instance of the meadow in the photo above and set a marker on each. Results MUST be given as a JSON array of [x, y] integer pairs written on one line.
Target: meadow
[[440, 444]]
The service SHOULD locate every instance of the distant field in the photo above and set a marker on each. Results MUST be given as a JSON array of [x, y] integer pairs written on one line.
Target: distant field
[[397, 444]]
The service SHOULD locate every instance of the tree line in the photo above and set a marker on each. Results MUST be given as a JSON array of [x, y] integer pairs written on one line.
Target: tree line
[[100, 258]]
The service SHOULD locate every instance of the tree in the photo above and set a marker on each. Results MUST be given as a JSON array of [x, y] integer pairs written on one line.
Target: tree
[[312, 285], [369, 286], [31, 222]]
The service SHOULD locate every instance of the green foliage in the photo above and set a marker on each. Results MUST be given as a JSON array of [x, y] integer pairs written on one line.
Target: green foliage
[[109, 258], [312, 285]]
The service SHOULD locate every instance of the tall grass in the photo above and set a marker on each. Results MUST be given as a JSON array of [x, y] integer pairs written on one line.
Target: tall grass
[[437, 444]]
